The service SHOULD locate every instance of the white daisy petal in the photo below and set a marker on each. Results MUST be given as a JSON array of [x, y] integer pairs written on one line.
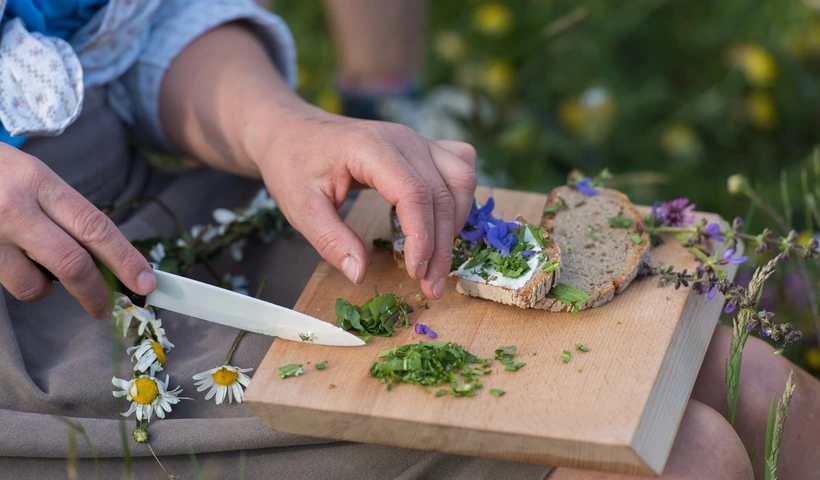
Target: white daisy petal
[[220, 394]]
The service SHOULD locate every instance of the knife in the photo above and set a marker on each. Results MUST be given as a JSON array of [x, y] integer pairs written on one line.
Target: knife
[[218, 305]]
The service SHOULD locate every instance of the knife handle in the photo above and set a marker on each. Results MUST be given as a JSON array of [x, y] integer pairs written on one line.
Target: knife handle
[[108, 276]]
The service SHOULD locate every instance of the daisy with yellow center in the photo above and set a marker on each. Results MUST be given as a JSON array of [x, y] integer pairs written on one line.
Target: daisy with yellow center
[[148, 354], [125, 312], [223, 381], [148, 396]]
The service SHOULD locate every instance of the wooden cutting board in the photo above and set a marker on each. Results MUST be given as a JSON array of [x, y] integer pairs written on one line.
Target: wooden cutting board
[[616, 408]]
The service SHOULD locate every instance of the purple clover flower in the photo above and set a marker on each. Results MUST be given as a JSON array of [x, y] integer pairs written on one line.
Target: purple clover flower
[[734, 261], [585, 186], [677, 213], [423, 329]]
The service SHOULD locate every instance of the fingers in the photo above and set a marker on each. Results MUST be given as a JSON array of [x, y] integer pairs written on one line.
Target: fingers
[[320, 223], [464, 151], [460, 178], [53, 248], [20, 277], [92, 229]]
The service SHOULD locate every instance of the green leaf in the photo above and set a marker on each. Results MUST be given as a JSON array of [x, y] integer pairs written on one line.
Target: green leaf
[[550, 266], [497, 392], [754, 453], [635, 238], [580, 347], [291, 370], [514, 367], [620, 222], [441, 392], [591, 234], [569, 296], [570, 249], [770, 435], [321, 365], [555, 208], [566, 356], [538, 235]]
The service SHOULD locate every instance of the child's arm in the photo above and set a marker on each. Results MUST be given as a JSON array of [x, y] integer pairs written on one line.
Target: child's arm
[[223, 101]]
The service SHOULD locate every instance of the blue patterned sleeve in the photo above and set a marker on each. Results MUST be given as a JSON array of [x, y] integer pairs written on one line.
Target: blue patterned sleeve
[[177, 23]]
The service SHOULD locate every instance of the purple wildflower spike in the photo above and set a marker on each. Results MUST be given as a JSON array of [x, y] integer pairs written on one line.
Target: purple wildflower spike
[[677, 213], [734, 261], [713, 229]]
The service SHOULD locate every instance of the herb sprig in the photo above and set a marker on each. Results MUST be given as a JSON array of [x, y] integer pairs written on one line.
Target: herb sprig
[[378, 317]]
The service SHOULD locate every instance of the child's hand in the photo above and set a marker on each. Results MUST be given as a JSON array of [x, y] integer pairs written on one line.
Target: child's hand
[[310, 166], [44, 219]]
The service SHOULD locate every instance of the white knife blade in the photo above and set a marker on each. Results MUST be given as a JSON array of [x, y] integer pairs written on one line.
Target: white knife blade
[[218, 305]]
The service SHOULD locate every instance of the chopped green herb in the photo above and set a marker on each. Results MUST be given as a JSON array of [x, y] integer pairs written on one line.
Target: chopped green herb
[[591, 233], [382, 243], [580, 347], [441, 392], [418, 297], [321, 365], [635, 238], [620, 222], [497, 392], [306, 337], [557, 207], [512, 265], [570, 296], [430, 364], [514, 367], [424, 306], [565, 356], [550, 266], [538, 235], [378, 317], [570, 249], [291, 370], [506, 355]]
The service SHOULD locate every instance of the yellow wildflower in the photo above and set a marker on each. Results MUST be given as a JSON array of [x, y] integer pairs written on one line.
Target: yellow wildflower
[[805, 237], [450, 46], [492, 19], [812, 358], [588, 115], [761, 110], [497, 77], [758, 66], [680, 141]]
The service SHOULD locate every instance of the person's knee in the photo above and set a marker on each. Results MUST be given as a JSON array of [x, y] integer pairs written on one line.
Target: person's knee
[[707, 447]]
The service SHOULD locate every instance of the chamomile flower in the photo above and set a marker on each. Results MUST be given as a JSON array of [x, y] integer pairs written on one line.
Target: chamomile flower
[[125, 312], [158, 252], [148, 396], [155, 330], [148, 354], [223, 381]]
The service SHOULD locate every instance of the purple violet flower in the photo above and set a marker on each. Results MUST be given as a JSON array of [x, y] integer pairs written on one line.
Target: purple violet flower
[[585, 186], [497, 236], [734, 261], [423, 329], [713, 229], [677, 213], [527, 253]]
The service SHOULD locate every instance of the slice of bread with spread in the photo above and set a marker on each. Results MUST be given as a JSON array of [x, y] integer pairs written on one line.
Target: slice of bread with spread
[[602, 243], [520, 270]]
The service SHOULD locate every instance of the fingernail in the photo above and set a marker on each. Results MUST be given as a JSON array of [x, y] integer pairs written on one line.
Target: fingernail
[[422, 270], [146, 281], [350, 267], [438, 288]]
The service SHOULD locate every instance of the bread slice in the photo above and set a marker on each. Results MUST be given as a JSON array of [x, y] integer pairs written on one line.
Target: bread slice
[[534, 288], [597, 258]]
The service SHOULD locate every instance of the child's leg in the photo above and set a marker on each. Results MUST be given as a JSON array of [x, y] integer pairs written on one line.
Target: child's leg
[[706, 447], [763, 375]]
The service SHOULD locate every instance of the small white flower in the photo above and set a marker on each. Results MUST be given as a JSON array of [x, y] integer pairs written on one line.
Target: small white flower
[[236, 249], [147, 354], [148, 396], [155, 330], [223, 216], [223, 381], [125, 312], [238, 283], [158, 252], [262, 201]]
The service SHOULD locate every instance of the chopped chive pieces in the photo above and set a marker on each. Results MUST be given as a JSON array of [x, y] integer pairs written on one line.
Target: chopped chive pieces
[[551, 266], [570, 296], [570, 249], [497, 392], [514, 367], [321, 365], [620, 222], [441, 392], [506, 355], [291, 370], [636, 238], [580, 347], [566, 356], [591, 233], [557, 207]]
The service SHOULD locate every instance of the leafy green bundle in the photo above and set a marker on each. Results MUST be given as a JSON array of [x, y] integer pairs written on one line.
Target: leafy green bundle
[[430, 364], [378, 317]]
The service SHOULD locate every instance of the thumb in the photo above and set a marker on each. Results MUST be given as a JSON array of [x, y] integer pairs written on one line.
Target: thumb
[[321, 225]]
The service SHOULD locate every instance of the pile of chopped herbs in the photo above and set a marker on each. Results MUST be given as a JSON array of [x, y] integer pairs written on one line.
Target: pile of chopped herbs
[[506, 356], [432, 364], [378, 317], [570, 296]]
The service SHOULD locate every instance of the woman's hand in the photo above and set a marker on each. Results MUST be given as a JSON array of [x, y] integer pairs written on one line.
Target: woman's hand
[[315, 158], [44, 219]]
